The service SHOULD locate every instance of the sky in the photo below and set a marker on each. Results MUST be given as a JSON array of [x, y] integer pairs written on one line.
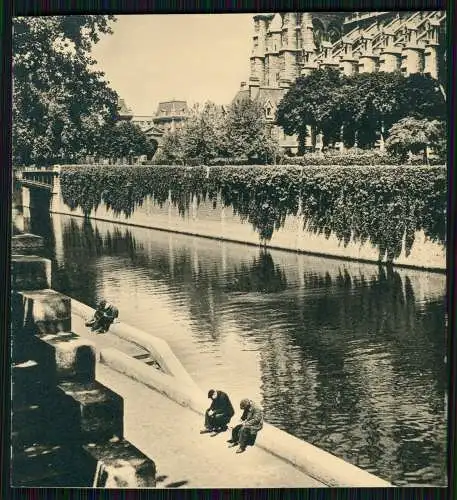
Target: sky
[[193, 57]]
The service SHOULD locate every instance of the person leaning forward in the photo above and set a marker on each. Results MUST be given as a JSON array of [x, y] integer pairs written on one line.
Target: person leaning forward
[[219, 414], [245, 433]]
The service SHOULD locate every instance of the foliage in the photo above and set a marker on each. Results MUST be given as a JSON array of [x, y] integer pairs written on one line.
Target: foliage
[[123, 140], [247, 133], [211, 133], [313, 100], [362, 103], [412, 134], [170, 151], [377, 204], [59, 101], [203, 135]]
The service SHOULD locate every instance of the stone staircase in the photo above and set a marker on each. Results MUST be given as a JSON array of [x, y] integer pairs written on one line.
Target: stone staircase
[[67, 428]]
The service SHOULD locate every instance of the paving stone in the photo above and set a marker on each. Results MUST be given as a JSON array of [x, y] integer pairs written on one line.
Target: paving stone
[[119, 464], [30, 272]]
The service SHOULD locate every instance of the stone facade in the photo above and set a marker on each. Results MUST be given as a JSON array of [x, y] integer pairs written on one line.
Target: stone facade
[[287, 45]]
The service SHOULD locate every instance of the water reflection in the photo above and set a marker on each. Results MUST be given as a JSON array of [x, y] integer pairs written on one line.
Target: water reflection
[[348, 356]]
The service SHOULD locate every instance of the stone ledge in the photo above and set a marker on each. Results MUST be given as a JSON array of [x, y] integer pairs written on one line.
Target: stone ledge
[[25, 243], [65, 356], [30, 272], [87, 412], [120, 465]]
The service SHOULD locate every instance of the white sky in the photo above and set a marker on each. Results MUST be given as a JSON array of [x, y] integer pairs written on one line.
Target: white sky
[[192, 57]]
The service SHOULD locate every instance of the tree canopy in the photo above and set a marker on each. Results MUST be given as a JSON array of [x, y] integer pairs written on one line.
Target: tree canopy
[[59, 100], [211, 132], [123, 140], [363, 103]]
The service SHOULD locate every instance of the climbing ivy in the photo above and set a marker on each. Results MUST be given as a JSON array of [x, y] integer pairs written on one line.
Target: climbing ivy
[[364, 203]]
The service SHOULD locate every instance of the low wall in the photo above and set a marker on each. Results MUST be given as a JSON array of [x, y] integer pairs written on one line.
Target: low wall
[[221, 223]]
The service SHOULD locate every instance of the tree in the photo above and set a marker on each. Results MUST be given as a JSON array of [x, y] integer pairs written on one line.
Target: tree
[[170, 151], [123, 140], [315, 100], [371, 101], [247, 132], [203, 135], [415, 135], [423, 97], [59, 101]]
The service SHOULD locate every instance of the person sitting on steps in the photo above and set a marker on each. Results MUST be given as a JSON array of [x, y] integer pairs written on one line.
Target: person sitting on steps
[[219, 414], [104, 316], [245, 433]]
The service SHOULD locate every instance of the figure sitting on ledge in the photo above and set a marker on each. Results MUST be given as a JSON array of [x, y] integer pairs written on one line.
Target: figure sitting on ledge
[[245, 433], [104, 316], [219, 414]]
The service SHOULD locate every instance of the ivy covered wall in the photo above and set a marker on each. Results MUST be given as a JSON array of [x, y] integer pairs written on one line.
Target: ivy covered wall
[[381, 205]]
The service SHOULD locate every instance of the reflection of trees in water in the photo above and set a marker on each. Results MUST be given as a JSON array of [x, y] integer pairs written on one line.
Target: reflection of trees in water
[[261, 275], [336, 355], [326, 328]]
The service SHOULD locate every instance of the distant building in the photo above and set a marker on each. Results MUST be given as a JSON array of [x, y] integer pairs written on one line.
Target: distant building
[[291, 44], [171, 115]]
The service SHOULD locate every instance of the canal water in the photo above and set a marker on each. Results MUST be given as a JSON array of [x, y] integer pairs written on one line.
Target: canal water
[[347, 356]]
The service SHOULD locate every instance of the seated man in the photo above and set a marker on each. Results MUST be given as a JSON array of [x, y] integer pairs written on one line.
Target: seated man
[[219, 414], [110, 313], [94, 322], [104, 315], [245, 433]]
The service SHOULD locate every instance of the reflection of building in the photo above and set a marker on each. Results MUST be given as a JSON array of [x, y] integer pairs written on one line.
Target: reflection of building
[[291, 44]]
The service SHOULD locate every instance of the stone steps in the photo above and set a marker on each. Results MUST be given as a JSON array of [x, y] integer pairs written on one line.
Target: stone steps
[[67, 428]]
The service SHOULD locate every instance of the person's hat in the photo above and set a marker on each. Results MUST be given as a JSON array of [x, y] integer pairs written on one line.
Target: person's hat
[[244, 403]]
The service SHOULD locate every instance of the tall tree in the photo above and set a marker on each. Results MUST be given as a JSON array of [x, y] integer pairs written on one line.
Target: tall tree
[[315, 100], [170, 151], [247, 132], [123, 140], [59, 100], [203, 136]]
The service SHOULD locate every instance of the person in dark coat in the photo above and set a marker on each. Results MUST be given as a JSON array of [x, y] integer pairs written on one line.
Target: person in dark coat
[[104, 316], [245, 434], [110, 313], [219, 414], [98, 314]]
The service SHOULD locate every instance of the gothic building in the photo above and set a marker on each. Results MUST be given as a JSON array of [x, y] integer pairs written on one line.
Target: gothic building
[[287, 45]]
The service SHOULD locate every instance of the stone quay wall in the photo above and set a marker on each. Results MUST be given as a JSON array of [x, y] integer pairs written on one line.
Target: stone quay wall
[[220, 222]]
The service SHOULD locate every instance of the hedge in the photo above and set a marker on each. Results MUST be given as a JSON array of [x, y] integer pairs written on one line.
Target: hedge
[[376, 204]]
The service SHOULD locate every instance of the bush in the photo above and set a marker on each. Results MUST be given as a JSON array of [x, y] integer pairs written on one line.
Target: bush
[[365, 203]]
